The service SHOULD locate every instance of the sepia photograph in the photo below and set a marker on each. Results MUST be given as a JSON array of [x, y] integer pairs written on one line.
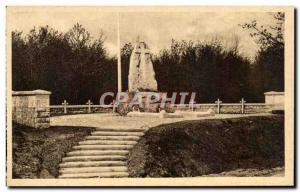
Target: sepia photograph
[[150, 96]]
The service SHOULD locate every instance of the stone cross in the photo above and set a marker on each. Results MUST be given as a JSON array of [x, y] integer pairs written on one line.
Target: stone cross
[[218, 102], [243, 105], [65, 103], [142, 51], [89, 103], [192, 102], [113, 105], [141, 72]]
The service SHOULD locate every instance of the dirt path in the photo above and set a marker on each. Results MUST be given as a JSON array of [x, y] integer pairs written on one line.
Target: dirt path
[[109, 120]]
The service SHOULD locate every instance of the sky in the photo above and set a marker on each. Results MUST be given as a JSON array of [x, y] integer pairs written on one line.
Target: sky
[[156, 28]]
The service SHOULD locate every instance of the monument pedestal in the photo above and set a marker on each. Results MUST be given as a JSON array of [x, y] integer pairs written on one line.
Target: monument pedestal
[[141, 102]]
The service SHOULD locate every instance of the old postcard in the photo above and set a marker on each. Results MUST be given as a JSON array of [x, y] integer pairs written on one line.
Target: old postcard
[[150, 96]]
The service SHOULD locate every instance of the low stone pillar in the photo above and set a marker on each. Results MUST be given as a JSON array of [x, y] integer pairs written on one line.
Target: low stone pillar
[[275, 100], [31, 108]]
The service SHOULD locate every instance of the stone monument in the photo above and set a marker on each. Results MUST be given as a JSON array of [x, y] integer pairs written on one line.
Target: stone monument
[[141, 73], [141, 81]]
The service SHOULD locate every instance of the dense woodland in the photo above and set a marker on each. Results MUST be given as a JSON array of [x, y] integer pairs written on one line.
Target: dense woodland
[[76, 66]]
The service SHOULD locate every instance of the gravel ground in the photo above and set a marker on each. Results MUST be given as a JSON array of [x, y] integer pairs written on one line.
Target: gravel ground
[[114, 121]]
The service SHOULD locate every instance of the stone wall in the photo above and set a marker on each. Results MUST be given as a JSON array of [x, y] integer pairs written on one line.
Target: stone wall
[[227, 108], [71, 110], [257, 108], [231, 108], [275, 99], [31, 108]]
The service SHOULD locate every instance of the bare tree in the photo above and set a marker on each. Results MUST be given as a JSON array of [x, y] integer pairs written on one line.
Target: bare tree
[[267, 36], [78, 37]]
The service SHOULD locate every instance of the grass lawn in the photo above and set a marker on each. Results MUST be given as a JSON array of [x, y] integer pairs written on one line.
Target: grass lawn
[[247, 146], [37, 153]]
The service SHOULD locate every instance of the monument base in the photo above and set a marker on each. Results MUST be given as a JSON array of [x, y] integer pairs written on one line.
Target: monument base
[[143, 105], [194, 114], [162, 114]]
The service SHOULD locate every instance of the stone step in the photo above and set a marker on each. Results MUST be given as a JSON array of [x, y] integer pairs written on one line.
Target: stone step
[[102, 147], [95, 158], [112, 133], [106, 142], [92, 164], [115, 138], [93, 169], [103, 154], [121, 129], [97, 152], [95, 175]]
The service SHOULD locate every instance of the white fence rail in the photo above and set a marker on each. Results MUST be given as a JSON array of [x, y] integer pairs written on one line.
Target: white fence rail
[[65, 108], [218, 107]]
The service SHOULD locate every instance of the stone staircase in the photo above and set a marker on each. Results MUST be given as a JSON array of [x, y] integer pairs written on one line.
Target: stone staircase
[[101, 155]]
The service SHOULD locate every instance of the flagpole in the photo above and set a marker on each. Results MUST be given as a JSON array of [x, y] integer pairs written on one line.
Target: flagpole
[[119, 56]]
